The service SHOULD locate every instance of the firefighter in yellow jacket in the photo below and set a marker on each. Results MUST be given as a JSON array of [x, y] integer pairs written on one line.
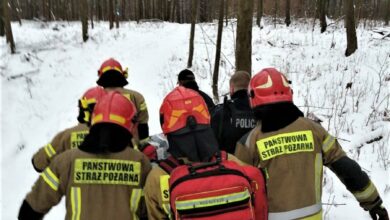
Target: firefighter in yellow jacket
[[185, 120], [71, 137], [292, 150], [113, 77], [103, 178]]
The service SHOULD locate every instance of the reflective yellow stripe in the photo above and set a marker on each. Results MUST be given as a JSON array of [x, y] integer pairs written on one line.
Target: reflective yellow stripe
[[167, 209], [75, 198], [212, 201], [297, 213], [107, 68], [134, 201], [328, 143], [51, 179], [97, 118], [118, 118], [142, 106], [366, 193], [318, 176], [49, 150]]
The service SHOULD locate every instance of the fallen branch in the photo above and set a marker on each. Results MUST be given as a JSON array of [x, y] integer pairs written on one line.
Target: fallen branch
[[22, 75]]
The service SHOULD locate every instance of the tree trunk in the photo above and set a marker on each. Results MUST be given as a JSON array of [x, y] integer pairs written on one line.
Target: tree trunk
[[111, 13], [99, 10], [218, 52], [387, 15], [244, 36], [116, 14], [91, 12], [123, 7], [2, 25], [15, 10], [321, 10], [194, 9], [84, 18], [259, 12], [288, 18], [350, 26], [7, 25], [276, 9]]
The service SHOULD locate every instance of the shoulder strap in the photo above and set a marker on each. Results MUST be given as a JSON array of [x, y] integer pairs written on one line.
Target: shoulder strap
[[225, 108], [169, 164]]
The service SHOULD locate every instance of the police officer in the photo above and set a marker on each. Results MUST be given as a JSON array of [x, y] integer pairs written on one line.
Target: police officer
[[70, 137], [103, 178], [186, 78], [185, 120], [292, 150], [113, 77], [234, 118]]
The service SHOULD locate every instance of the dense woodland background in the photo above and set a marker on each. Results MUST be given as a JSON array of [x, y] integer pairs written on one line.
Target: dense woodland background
[[244, 12]]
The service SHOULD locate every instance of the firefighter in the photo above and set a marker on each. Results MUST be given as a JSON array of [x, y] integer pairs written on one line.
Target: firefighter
[[70, 137], [292, 150], [185, 120], [103, 178], [234, 118], [186, 78], [113, 77]]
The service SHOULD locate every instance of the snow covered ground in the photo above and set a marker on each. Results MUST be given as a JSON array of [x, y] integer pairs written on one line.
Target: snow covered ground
[[41, 83]]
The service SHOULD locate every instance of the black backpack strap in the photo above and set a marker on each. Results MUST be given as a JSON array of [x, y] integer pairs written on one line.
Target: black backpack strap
[[225, 108], [169, 164]]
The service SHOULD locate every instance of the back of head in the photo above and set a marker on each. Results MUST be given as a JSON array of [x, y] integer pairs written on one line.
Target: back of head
[[239, 81], [185, 120], [269, 86], [112, 124], [186, 78], [87, 103], [271, 100], [111, 74]]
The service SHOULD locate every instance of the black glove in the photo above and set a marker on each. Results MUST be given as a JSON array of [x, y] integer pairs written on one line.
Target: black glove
[[379, 213]]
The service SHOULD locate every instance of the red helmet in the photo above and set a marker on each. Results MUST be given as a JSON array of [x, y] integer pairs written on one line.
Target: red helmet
[[183, 108], [87, 102], [114, 108], [111, 64], [269, 86]]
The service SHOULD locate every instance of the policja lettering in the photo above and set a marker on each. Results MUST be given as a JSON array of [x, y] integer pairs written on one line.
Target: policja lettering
[[106, 171], [245, 123], [287, 143]]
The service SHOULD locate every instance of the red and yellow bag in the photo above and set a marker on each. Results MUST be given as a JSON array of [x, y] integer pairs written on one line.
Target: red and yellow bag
[[216, 190]]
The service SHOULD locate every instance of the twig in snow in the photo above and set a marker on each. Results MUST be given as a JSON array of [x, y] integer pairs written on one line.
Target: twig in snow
[[26, 75]]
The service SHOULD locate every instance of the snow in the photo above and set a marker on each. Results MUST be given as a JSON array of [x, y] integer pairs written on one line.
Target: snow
[[53, 67]]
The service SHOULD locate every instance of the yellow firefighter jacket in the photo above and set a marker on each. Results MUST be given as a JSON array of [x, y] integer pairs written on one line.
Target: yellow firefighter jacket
[[157, 192], [293, 159], [96, 186], [65, 140]]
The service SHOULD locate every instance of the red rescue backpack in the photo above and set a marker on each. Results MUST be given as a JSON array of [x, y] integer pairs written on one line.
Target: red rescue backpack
[[218, 190]]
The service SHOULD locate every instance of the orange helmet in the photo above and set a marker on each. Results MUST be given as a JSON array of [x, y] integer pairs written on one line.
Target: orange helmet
[[183, 108], [269, 86], [111, 64], [114, 108], [87, 103]]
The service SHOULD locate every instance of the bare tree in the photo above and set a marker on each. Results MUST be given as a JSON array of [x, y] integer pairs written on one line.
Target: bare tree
[[259, 12], [84, 18], [218, 51], [350, 26], [387, 15], [2, 25], [194, 9], [111, 13], [244, 36], [116, 14], [321, 12], [288, 18], [7, 26]]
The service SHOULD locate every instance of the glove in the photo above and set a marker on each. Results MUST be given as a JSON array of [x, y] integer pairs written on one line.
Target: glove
[[379, 213]]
